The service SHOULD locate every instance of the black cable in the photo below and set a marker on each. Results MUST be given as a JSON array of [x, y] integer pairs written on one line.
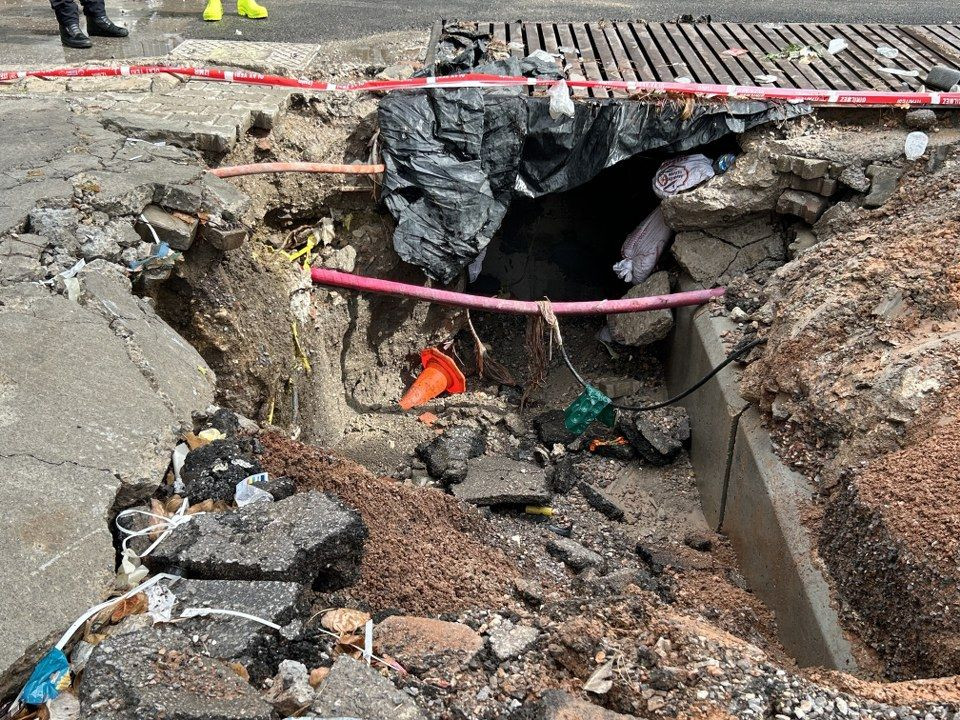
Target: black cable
[[643, 408]]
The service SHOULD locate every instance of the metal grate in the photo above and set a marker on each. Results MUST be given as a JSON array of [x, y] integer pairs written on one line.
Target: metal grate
[[714, 52]]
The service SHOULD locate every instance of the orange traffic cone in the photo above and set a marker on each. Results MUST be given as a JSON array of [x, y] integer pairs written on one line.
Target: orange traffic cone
[[440, 374]]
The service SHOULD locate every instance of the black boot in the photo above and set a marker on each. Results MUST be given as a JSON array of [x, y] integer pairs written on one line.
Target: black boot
[[72, 36], [102, 26]]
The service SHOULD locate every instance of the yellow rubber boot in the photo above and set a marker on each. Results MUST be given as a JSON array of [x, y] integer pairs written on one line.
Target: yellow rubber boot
[[251, 9], [214, 11]]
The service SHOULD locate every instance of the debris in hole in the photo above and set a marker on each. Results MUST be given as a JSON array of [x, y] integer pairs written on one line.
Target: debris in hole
[[446, 455], [308, 538]]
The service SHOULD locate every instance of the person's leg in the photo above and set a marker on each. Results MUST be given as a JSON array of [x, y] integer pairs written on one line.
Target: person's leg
[[213, 11], [97, 21], [251, 9], [68, 17]]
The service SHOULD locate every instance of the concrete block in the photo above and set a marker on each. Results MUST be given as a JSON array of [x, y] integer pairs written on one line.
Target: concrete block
[[713, 409], [885, 180], [821, 186], [805, 205], [178, 231], [765, 500]]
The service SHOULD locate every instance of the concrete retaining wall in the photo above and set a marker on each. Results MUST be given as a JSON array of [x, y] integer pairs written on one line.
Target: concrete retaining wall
[[752, 497]]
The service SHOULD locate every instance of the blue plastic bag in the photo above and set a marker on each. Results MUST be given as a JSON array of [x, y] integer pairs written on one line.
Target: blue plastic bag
[[45, 679]]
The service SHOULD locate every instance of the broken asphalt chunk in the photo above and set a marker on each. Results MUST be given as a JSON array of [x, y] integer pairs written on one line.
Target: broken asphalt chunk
[[657, 436], [227, 637], [308, 538], [446, 455], [573, 554], [212, 471], [501, 481], [354, 689], [154, 673]]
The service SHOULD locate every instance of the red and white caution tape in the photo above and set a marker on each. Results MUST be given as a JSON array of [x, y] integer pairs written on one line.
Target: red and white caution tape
[[858, 98]]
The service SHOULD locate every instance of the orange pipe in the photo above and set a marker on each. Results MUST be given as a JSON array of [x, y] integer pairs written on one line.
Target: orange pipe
[[306, 167]]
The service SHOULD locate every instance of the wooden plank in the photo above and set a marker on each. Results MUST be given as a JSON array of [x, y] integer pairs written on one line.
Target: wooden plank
[[574, 64], [724, 67], [676, 65], [905, 60], [620, 55], [515, 36], [847, 79], [734, 35], [749, 61], [531, 36], [642, 47], [915, 51], [934, 39], [590, 64], [950, 30], [608, 67], [500, 32], [638, 60], [694, 56], [430, 59], [809, 71]]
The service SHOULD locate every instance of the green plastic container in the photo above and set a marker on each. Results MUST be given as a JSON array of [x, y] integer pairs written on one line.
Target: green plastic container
[[589, 406]]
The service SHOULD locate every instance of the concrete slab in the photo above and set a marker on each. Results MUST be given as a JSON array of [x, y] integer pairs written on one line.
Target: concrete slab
[[762, 519], [713, 409]]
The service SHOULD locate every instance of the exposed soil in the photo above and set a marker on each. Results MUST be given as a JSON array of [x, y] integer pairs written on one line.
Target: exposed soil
[[859, 375], [426, 554]]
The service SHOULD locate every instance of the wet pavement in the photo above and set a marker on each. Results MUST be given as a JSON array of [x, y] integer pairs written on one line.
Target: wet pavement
[[28, 32]]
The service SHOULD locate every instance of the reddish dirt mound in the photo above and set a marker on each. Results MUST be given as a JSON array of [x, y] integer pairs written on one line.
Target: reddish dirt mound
[[892, 537], [425, 554]]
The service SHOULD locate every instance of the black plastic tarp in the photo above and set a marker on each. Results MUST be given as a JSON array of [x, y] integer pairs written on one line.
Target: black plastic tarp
[[455, 158]]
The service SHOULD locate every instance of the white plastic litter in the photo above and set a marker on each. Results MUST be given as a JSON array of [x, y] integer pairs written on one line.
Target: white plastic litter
[[368, 641], [642, 248], [192, 612], [682, 173], [179, 457], [836, 45], [915, 145], [246, 492], [899, 73], [132, 571], [765, 79], [160, 602], [561, 104], [887, 51], [164, 525], [683, 79]]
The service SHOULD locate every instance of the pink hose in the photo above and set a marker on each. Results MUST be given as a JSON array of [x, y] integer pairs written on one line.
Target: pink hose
[[322, 276], [305, 167]]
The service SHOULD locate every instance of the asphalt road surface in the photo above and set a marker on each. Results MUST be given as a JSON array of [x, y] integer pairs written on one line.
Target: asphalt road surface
[[28, 30]]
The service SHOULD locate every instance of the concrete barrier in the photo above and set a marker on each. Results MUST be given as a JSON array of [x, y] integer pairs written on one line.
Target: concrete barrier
[[714, 409], [752, 497], [765, 500]]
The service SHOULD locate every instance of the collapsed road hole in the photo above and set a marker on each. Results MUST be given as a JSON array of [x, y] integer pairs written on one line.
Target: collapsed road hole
[[628, 513], [363, 350], [563, 245]]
